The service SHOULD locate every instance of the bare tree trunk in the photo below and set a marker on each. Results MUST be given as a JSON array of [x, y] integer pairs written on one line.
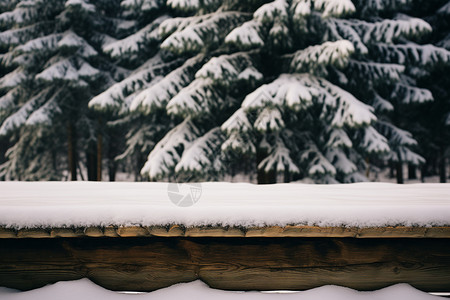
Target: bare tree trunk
[[91, 161], [399, 172], [99, 151], [412, 171], [442, 175], [71, 151]]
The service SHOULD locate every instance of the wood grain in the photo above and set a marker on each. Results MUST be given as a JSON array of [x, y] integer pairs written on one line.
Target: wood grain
[[217, 231], [149, 263]]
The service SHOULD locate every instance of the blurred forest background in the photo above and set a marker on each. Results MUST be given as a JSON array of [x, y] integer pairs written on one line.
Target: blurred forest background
[[321, 91]]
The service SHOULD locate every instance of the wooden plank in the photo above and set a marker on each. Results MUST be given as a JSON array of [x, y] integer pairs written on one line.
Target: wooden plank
[[217, 231], [7, 233], [214, 232], [35, 233], [145, 264]]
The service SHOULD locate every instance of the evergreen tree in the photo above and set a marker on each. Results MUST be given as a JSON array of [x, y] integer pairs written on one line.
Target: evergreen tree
[[277, 87], [135, 50], [55, 67]]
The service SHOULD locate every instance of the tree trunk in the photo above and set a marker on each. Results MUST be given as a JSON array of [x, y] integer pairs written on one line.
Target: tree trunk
[[399, 172], [71, 151], [412, 171], [91, 161], [442, 175], [99, 151], [112, 168]]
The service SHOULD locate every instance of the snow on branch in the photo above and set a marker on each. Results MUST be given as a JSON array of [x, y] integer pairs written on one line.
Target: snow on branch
[[340, 161], [316, 57], [411, 94], [329, 8], [202, 152], [114, 96], [285, 90], [374, 6], [412, 53], [299, 91], [71, 69], [41, 43], [7, 100], [271, 11], [395, 135], [338, 138], [227, 69], [160, 93], [269, 119], [165, 156], [246, 36], [72, 40], [132, 43], [381, 104], [318, 164], [19, 118], [377, 71], [195, 33], [279, 159], [20, 35], [81, 4], [143, 5], [238, 122], [18, 16], [348, 110], [13, 78], [339, 29], [239, 142], [193, 99], [404, 154], [387, 31], [43, 115], [192, 5], [445, 10], [374, 142]]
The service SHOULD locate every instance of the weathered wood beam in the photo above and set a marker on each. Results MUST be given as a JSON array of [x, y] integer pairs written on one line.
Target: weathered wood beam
[[145, 264], [216, 231]]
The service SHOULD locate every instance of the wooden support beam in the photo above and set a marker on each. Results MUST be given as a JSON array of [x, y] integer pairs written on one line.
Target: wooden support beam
[[149, 263], [217, 231]]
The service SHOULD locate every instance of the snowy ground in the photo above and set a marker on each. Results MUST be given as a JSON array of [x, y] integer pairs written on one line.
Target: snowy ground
[[86, 290], [58, 204]]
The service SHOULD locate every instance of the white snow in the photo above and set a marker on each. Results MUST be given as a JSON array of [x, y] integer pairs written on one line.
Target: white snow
[[328, 53], [246, 35], [83, 4], [329, 8], [57, 204], [132, 43], [164, 155], [161, 92], [85, 289]]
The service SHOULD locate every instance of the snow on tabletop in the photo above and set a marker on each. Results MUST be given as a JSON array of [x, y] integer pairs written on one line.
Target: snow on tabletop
[[85, 289], [59, 204]]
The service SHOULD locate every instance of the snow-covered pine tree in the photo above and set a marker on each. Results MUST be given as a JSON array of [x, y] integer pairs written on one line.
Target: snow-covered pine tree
[[429, 122], [134, 48], [54, 68], [310, 118]]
